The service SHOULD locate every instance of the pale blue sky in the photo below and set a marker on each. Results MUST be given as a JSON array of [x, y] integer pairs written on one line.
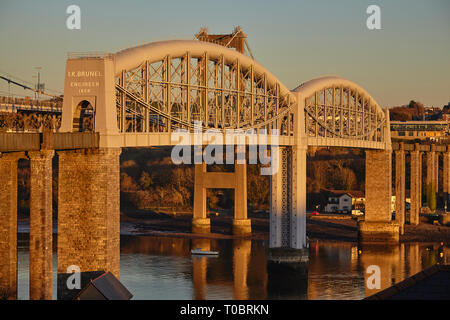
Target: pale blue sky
[[296, 40]]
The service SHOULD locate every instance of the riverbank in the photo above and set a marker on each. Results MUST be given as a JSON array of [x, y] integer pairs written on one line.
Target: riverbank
[[326, 228]]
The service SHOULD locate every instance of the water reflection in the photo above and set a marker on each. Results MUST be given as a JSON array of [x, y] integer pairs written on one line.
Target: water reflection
[[163, 268]]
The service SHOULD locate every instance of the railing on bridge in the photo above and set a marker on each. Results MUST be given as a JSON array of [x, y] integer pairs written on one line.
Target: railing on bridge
[[28, 115], [13, 104]]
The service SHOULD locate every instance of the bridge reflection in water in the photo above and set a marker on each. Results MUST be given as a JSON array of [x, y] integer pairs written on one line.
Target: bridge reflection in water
[[163, 268]]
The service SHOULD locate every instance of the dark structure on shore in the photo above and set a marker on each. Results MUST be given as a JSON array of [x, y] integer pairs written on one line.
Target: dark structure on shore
[[432, 283]]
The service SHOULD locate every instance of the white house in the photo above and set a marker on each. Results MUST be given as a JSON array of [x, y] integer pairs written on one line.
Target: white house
[[344, 201], [407, 202]]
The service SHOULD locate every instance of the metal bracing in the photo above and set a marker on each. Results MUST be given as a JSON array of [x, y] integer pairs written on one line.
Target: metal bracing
[[286, 196], [178, 90], [343, 112]]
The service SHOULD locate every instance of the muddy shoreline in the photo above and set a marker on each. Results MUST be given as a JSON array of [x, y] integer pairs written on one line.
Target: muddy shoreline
[[325, 228]]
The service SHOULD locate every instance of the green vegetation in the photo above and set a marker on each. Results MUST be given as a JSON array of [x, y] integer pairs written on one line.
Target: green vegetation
[[414, 110], [431, 196], [149, 180]]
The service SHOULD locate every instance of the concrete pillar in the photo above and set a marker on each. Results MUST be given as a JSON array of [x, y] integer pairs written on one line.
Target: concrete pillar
[[241, 260], [431, 182], [241, 224], [89, 211], [236, 180], [41, 225], [8, 223], [377, 225], [436, 178], [446, 179], [420, 178], [400, 188], [200, 223], [416, 196]]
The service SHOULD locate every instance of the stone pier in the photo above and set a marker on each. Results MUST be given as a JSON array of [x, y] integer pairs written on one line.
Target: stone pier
[[431, 178], [8, 225], [446, 179], [416, 177], [400, 188], [378, 224], [88, 211], [41, 226]]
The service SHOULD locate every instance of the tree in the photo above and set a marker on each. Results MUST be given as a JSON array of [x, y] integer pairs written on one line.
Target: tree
[[127, 183], [146, 180], [431, 197]]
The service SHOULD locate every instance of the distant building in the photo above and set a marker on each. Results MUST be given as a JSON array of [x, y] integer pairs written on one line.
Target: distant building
[[344, 201], [410, 130], [407, 201]]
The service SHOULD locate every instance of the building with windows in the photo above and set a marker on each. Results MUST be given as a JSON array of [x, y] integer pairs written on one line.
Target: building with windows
[[340, 201], [410, 130]]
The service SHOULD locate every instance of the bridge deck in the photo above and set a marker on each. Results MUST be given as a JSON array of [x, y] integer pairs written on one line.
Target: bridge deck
[[28, 141]]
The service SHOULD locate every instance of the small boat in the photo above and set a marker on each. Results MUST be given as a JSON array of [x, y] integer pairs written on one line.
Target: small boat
[[204, 252]]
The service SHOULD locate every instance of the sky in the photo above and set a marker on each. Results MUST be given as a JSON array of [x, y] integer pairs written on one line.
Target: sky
[[407, 59]]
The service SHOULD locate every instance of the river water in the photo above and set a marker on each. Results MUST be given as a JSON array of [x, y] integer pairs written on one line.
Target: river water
[[163, 268]]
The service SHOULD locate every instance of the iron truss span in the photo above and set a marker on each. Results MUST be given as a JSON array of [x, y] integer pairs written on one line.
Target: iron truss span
[[339, 110], [167, 85]]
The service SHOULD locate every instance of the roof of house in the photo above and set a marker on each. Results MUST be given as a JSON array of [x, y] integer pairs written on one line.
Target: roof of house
[[105, 287], [351, 193], [432, 283]]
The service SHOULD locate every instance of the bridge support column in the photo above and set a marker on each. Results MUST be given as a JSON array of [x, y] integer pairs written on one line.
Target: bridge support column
[[281, 199], [431, 180], [446, 178], [298, 225], [276, 200], [416, 195], [241, 224], [41, 225], [8, 223], [288, 253], [232, 180], [378, 224], [200, 223], [400, 188], [88, 213]]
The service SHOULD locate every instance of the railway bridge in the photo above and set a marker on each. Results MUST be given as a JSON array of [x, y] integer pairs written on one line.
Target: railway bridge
[[152, 95]]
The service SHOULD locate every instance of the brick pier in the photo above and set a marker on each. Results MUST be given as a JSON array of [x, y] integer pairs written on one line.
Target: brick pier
[[378, 224], [89, 210]]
